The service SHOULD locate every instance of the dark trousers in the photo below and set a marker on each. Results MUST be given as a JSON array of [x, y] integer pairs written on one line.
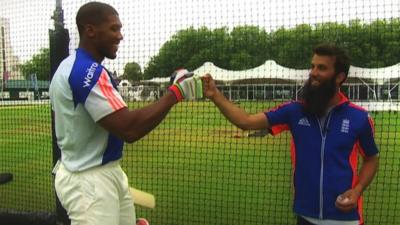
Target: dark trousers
[[302, 221]]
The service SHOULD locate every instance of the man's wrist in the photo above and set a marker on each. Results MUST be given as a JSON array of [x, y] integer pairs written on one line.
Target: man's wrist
[[174, 89], [359, 189], [217, 94]]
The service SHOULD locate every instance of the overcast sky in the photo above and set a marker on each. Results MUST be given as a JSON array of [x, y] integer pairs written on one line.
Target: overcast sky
[[150, 23]]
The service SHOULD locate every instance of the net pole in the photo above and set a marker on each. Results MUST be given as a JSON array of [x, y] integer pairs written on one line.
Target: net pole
[[59, 50]]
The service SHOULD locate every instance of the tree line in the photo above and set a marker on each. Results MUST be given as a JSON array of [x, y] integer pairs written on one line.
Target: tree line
[[370, 45]]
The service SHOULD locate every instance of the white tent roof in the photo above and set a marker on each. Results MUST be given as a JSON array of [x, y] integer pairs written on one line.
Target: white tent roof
[[271, 70], [376, 74], [158, 80]]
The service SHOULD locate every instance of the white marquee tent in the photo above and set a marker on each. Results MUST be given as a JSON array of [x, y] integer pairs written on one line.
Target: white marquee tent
[[371, 78], [271, 70], [381, 83]]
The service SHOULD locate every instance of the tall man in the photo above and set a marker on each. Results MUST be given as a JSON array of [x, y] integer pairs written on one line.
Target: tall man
[[328, 133], [92, 122]]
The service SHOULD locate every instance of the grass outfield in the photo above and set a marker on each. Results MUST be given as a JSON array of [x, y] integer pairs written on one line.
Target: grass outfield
[[201, 169]]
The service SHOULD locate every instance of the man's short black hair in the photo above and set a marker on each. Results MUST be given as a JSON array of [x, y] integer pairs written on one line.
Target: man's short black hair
[[93, 13], [342, 60]]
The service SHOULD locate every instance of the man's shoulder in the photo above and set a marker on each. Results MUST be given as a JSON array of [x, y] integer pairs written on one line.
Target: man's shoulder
[[62, 74], [85, 71], [357, 109], [288, 104], [78, 64], [83, 63], [356, 112], [66, 65]]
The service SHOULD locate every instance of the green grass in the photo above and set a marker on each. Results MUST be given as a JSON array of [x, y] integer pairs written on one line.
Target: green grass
[[198, 171], [25, 151]]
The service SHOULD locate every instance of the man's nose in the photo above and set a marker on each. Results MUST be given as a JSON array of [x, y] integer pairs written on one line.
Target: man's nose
[[120, 36], [313, 72]]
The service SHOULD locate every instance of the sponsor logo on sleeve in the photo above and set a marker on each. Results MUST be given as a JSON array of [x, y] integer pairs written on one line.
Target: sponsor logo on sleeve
[[89, 75]]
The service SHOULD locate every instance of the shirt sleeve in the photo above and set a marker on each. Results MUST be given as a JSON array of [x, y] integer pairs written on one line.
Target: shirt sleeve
[[279, 128], [367, 141], [103, 98], [279, 115]]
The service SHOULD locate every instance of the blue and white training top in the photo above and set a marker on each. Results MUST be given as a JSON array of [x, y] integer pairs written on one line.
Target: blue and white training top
[[81, 93]]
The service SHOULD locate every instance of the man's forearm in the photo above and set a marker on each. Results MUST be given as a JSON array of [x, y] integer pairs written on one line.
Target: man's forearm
[[149, 117], [367, 173], [233, 113], [239, 117]]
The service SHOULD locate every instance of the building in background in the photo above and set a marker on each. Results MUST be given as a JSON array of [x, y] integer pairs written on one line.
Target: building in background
[[8, 61]]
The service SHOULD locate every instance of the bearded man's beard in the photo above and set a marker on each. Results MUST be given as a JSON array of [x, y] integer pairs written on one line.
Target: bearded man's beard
[[316, 98]]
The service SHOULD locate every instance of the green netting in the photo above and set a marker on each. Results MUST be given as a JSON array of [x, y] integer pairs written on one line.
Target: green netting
[[202, 169]]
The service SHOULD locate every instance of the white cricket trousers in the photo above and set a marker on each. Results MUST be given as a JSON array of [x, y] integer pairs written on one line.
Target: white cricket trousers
[[97, 196]]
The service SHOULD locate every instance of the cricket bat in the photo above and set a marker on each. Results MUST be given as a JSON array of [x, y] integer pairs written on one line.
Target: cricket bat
[[143, 198]]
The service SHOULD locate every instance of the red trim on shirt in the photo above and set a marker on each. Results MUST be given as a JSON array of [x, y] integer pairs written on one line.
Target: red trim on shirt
[[360, 209], [342, 98], [353, 159], [107, 90], [371, 122], [279, 128]]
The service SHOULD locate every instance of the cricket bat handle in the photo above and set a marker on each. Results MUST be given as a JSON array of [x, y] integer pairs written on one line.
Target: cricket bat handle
[[143, 198]]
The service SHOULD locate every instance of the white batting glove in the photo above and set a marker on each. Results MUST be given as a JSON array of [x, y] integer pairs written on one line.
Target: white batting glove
[[186, 86]]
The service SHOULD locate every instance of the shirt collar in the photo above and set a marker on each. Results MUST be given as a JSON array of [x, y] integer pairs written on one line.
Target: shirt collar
[[342, 99]]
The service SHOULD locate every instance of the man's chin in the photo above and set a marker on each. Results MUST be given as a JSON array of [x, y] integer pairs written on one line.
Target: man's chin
[[111, 56]]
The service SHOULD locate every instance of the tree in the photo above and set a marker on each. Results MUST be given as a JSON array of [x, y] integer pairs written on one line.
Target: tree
[[132, 72], [187, 48], [250, 47], [369, 45], [39, 65], [243, 48]]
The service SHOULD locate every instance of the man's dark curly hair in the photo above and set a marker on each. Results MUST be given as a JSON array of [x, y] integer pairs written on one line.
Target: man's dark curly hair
[[93, 13]]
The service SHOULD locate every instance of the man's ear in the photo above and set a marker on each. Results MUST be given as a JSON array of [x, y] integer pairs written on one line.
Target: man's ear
[[340, 78], [90, 30]]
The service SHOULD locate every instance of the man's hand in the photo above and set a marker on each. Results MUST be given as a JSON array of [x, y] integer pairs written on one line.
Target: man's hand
[[178, 74], [348, 200], [210, 89], [186, 86]]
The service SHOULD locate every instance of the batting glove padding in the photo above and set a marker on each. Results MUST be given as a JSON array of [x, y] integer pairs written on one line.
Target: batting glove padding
[[187, 87], [178, 74]]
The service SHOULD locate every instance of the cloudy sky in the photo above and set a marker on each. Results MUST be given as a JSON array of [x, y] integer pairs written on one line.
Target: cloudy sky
[[148, 24]]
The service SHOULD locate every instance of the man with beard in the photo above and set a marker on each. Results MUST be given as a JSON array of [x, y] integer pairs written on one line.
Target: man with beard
[[328, 133]]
